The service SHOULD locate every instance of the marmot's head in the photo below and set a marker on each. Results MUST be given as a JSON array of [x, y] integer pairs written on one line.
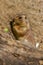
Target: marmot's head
[[20, 25]]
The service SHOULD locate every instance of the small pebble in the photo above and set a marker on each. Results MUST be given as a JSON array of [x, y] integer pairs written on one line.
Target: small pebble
[[37, 45], [6, 30]]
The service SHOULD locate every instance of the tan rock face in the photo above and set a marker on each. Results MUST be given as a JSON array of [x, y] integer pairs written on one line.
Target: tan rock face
[[34, 10], [10, 50]]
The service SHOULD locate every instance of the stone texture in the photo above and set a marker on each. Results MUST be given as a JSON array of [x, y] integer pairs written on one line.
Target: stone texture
[[12, 53]]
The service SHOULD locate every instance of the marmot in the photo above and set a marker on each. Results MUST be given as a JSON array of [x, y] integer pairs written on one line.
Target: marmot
[[19, 26]]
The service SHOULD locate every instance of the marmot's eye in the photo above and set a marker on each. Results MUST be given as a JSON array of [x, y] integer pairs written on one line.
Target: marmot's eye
[[20, 17]]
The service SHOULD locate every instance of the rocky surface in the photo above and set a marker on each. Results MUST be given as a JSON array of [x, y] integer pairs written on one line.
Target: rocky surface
[[12, 52]]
